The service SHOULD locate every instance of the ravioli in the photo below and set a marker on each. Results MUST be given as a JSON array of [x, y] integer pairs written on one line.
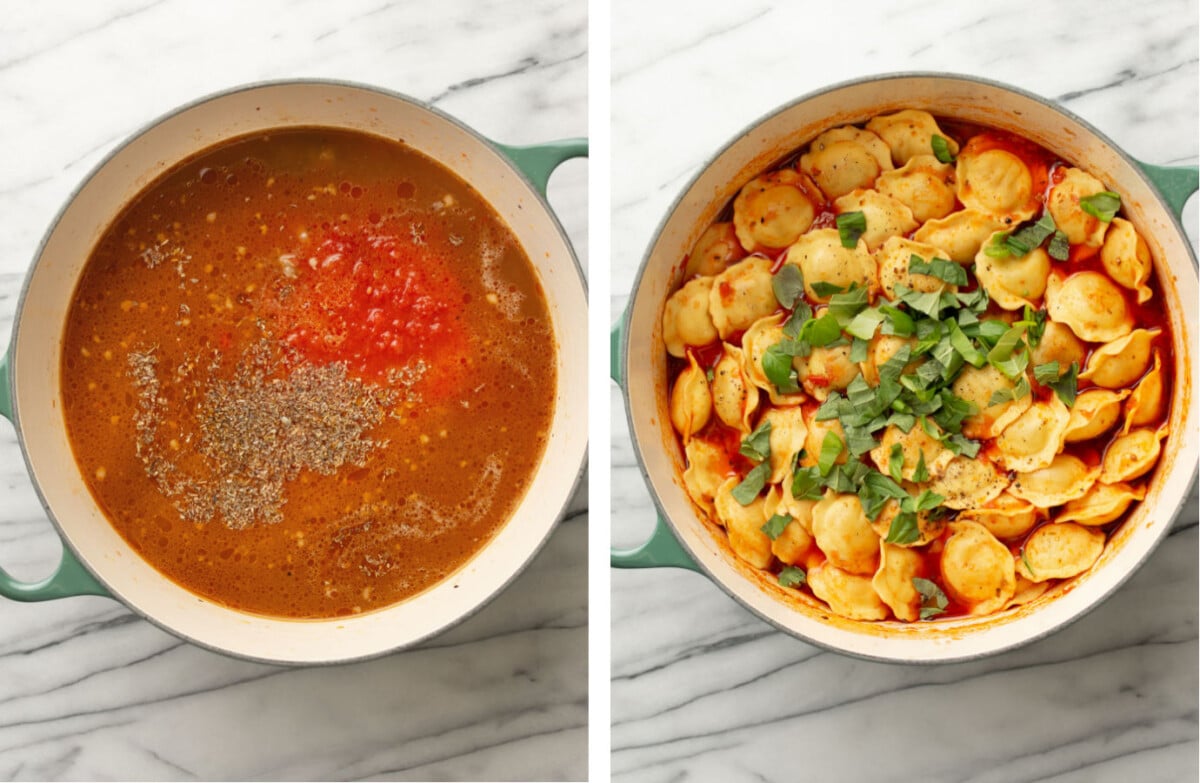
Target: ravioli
[[822, 258], [843, 159], [773, 210]]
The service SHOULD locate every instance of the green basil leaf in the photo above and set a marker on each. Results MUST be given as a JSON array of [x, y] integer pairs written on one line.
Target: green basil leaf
[[941, 268], [823, 289], [896, 461], [904, 529], [820, 332], [1103, 206], [777, 366], [795, 322], [755, 480], [1047, 373], [850, 226], [1060, 247], [1032, 235], [1067, 386], [921, 471], [831, 447], [902, 419], [1002, 354], [1006, 395], [941, 149], [858, 439], [757, 445], [933, 600], [788, 285], [988, 332], [953, 411], [897, 321], [775, 525], [858, 350], [806, 483], [894, 366], [965, 347], [846, 305], [792, 576], [962, 445], [865, 323], [927, 302], [1034, 322], [997, 246]]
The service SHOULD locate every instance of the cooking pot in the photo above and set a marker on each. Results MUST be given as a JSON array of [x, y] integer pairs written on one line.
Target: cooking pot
[[1152, 197], [96, 560]]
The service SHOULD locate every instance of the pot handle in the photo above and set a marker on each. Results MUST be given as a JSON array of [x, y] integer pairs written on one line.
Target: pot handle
[[538, 161], [70, 578], [662, 549], [1175, 183]]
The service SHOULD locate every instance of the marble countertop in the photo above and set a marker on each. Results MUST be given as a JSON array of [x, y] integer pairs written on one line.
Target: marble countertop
[[703, 690], [90, 691]]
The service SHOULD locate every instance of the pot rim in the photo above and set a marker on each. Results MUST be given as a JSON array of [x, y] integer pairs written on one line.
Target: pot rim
[[626, 338], [146, 127]]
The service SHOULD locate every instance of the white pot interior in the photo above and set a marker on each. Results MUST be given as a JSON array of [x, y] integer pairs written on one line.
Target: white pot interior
[[38, 336], [770, 140]]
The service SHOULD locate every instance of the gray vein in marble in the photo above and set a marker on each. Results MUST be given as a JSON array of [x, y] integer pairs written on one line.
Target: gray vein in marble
[[75, 35]]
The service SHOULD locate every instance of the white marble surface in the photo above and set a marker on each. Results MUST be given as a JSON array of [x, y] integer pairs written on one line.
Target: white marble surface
[[702, 690], [89, 691]]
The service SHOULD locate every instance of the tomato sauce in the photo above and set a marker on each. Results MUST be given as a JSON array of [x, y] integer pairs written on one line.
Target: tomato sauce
[[308, 373]]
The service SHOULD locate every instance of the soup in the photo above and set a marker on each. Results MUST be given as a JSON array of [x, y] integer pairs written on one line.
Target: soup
[[919, 369], [308, 373]]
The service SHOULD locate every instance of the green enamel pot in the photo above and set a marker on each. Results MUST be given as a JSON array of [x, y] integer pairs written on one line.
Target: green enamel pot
[[1153, 198], [96, 560]]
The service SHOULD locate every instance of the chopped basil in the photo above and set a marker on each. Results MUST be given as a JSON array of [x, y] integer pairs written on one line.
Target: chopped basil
[[997, 246], [709, 374], [953, 411], [757, 445], [1060, 247], [846, 305], [941, 149], [1065, 385], [988, 331], [963, 446], [896, 461], [858, 350], [801, 313], [775, 525], [904, 529], [1032, 235], [755, 480], [1009, 395], [927, 302], [831, 408], [895, 365], [965, 347], [1103, 206], [897, 321], [858, 439], [1045, 373], [806, 483], [902, 419], [788, 285], [850, 226], [820, 332], [823, 289], [777, 366], [942, 269], [1008, 355], [865, 323], [792, 576], [921, 472], [933, 600], [1034, 322], [831, 447]]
